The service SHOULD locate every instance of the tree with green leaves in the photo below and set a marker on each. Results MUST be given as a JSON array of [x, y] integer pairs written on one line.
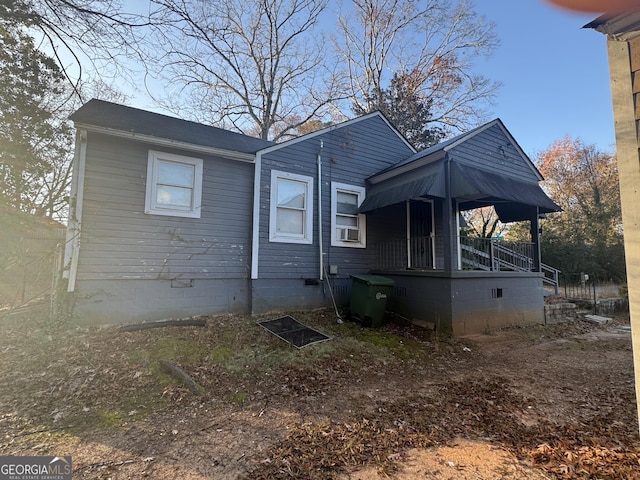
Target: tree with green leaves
[[587, 235], [407, 110], [80, 35], [35, 139]]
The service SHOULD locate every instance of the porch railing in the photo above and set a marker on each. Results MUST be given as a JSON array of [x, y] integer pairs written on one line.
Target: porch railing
[[551, 277], [496, 255], [499, 255], [416, 253], [475, 254]]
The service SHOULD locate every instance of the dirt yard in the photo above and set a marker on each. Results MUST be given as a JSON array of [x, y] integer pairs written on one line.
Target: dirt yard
[[541, 402]]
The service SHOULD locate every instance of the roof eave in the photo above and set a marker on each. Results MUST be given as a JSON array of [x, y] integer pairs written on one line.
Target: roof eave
[[337, 126], [622, 26], [394, 172], [166, 142]]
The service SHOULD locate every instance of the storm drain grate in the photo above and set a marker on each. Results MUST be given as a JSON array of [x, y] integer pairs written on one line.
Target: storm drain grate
[[291, 331]]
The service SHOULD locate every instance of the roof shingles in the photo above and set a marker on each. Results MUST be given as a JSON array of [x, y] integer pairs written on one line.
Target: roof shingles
[[112, 116]]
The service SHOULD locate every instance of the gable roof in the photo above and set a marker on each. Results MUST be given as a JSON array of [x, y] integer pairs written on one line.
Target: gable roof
[[347, 123], [438, 151], [154, 127], [484, 171]]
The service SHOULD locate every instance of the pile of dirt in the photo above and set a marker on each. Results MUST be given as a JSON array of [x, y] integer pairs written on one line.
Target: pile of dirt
[[552, 401]]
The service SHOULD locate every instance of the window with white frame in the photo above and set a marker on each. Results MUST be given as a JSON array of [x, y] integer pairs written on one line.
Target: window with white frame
[[174, 185], [348, 227], [291, 211]]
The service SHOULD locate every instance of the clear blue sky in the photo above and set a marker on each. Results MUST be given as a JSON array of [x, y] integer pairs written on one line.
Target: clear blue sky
[[555, 75]]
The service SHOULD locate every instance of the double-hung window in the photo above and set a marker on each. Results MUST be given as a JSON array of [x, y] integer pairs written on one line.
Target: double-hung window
[[348, 227], [291, 212], [174, 185]]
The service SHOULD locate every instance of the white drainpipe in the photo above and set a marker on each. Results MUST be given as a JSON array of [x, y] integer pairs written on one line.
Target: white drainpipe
[[74, 227], [320, 209], [255, 241]]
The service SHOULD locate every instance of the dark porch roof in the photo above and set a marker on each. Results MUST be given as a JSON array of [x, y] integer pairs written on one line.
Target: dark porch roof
[[428, 182], [487, 168], [482, 188]]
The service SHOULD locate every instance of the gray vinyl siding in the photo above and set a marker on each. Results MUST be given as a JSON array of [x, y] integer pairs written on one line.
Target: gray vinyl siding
[[116, 301], [120, 241], [349, 155], [492, 149]]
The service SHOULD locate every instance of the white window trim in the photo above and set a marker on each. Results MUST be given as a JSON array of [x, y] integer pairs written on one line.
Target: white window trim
[[150, 205], [362, 218], [307, 235]]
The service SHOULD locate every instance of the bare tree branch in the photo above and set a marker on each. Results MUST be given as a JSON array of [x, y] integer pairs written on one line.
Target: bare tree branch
[[81, 33], [247, 65], [438, 40]]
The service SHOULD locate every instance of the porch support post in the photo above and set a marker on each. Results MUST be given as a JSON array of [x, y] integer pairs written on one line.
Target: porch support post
[[449, 237], [409, 259], [535, 239]]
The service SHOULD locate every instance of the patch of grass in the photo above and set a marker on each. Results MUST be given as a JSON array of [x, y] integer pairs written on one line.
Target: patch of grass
[[221, 355], [171, 348], [113, 415], [161, 378], [386, 346], [167, 345], [232, 353], [109, 418], [238, 397]]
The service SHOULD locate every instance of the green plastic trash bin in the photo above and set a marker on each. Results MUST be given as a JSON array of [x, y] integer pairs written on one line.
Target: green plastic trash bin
[[369, 294]]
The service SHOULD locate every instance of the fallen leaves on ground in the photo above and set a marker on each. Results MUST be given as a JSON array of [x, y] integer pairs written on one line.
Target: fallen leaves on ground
[[561, 398]]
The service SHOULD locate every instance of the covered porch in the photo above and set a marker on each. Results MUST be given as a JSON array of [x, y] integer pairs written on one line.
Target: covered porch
[[487, 254], [452, 283]]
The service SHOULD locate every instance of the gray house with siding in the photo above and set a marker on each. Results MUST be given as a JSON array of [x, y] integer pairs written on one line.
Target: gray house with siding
[[171, 218]]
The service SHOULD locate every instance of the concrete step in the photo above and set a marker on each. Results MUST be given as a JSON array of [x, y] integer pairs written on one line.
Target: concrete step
[[597, 319]]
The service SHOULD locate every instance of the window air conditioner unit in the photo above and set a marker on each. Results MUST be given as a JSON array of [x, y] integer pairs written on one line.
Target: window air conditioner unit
[[349, 234]]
